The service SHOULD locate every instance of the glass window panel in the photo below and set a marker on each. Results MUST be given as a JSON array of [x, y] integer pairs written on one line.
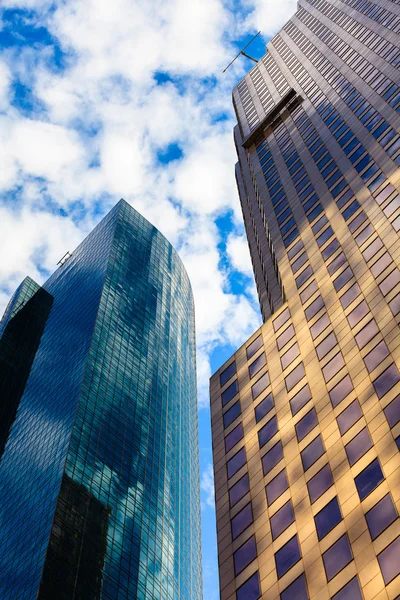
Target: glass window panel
[[352, 293], [389, 561], [287, 556], [320, 483], [287, 335], [343, 278], [314, 307], [364, 234], [326, 345], [395, 305], [306, 424], [336, 263], [304, 276], [381, 516], [312, 452], [254, 346], [381, 264], [337, 557], [290, 237], [300, 399], [392, 412], [250, 590], [294, 377], [241, 521], [264, 407], [239, 490], [369, 479], [236, 462], [309, 291], [276, 487], [358, 313], [260, 386], [230, 392], [386, 380], [333, 367], [299, 262], [397, 440], [288, 357], [245, 555], [234, 437], [366, 334], [324, 236], [341, 390], [282, 519], [319, 225], [349, 416], [227, 373], [390, 282], [358, 446], [271, 458], [376, 356], [296, 590], [258, 364], [330, 249], [231, 414], [372, 249], [327, 518], [351, 591], [385, 193], [295, 249], [267, 431], [281, 320], [392, 206], [319, 326]]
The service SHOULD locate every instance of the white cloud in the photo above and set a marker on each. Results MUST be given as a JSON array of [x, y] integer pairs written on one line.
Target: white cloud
[[207, 487], [239, 254], [269, 16]]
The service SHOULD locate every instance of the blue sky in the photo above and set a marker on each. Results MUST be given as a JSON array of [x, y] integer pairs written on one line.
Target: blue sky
[[101, 100]]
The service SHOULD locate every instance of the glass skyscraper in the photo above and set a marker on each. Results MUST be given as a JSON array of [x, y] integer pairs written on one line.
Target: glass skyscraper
[[99, 474], [306, 415]]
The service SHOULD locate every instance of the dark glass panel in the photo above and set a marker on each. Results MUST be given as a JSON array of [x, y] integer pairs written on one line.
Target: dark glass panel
[[343, 278], [271, 458], [260, 386], [395, 305], [312, 452], [320, 483], [327, 518], [358, 446], [287, 556], [352, 293], [282, 519], [364, 234], [380, 265], [287, 335], [294, 377], [386, 380], [324, 236], [296, 590], [288, 357], [267, 432], [304, 276], [276, 487], [245, 555], [392, 412], [358, 313], [340, 390], [258, 364], [300, 399], [337, 557], [294, 250], [299, 262], [381, 516], [227, 373], [241, 521], [231, 414], [240, 489], [333, 367], [236, 462], [308, 291], [336, 263], [376, 356], [250, 590], [369, 479], [306, 424], [314, 307], [351, 591], [366, 334], [254, 346], [349, 416], [230, 392], [234, 437], [264, 407], [389, 561], [319, 326], [281, 320]]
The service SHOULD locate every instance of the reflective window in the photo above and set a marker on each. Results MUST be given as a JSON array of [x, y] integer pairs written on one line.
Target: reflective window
[[358, 313], [337, 557], [279, 321], [276, 487], [369, 479], [240, 489], [392, 412], [364, 234], [304, 276], [349, 416], [245, 555], [389, 282], [233, 437], [242, 520], [294, 377], [230, 392], [254, 346], [236, 462], [352, 293], [376, 356], [366, 334], [327, 518], [260, 386], [271, 458], [267, 432], [264, 407], [330, 249], [285, 337], [358, 446], [341, 390], [299, 262], [326, 345], [372, 249], [296, 590], [294, 250], [227, 373], [380, 265], [320, 483], [258, 364], [231, 414], [319, 225], [306, 424], [381, 516], [308, 291], [324, 236], [312, 452], [314, 307], [395, 305], [287, 556], [343, 278], [333, 367], [319, 326], [386, 380], [389, 561], [288, 357], [250, 590], [351, 591], [282, 519], [300, 399], [336, 263]]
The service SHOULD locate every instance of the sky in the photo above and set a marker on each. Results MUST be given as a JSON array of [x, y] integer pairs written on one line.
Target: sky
[[105, 100]]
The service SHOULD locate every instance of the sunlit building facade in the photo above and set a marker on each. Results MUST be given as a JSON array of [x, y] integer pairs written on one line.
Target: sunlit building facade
[[99, 474], [306, 414]]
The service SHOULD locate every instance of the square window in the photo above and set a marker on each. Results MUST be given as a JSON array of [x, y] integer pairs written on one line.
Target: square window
[[337, 557], [366, 334], [352, 293], [260, 385], [288, 357], [300, 399], [287, 556], [321, 482], [386, 380], [276, 487], [376, 356], [281, 320], [349, 416], [271, 458], [241, 521], [245, 555], [234, 437], [358, 446], [227, 373], [358, 313], [232, 414], [264, 407], [294, 377], [296, 590], [314, 307], [312, 452], [369, 479], [267, 431], [392, 412], [333, 367], [319, 326], [239, 490], [306, 424], [281, 520], [257, 365], [250, 590], [389, 561], [327, 518], [351, 591], [254, 346], [326, 345], [236, 462], [284, 338], [230, 392], [382, 515]]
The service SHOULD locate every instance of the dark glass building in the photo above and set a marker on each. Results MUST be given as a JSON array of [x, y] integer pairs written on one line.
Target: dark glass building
[[306, 415], [99, 474]]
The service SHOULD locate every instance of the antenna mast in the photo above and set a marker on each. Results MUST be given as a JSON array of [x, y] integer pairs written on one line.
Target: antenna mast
[[243, 53]]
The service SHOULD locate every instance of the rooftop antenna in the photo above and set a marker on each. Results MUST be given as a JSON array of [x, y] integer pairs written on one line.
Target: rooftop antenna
[[243, 53]]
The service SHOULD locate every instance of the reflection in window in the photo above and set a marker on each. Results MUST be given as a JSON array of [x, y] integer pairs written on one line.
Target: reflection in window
[[340, 391], [227, 373], [290, 355], [229, 393], [300, 399], [241, 521], [279, 321], [376, 356], [337, 557], [267, 431], [234, 437], [287, 556], [271, 458], [256, 365], [333, 367], [276, 487], [236, 462], [245, 555], [264, 407], [386, 380], [327, 518], [349, 416], [351, 591], [231, 414], [369, 479], [296, 590], [381, 516], [282, 519], [321, 482], [250, 590], [358, 446], [254, 346], [294, 377], [260, 386], [239, 490], [392, 412], [287, 335], [312, 452], [389, 561], [306, 424], [366, 334]]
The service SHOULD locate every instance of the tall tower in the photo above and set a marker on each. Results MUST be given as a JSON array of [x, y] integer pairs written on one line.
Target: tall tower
[[306, 415], [99, 474]]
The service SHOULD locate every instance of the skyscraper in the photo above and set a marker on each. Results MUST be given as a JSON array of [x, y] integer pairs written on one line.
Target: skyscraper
[[306, 415], [99, 475]]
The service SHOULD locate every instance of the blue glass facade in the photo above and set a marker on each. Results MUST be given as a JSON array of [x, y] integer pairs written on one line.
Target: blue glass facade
[[99, 480]]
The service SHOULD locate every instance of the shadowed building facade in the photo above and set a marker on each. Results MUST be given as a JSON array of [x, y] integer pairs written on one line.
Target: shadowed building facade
[[99, 474], [306, 415]]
